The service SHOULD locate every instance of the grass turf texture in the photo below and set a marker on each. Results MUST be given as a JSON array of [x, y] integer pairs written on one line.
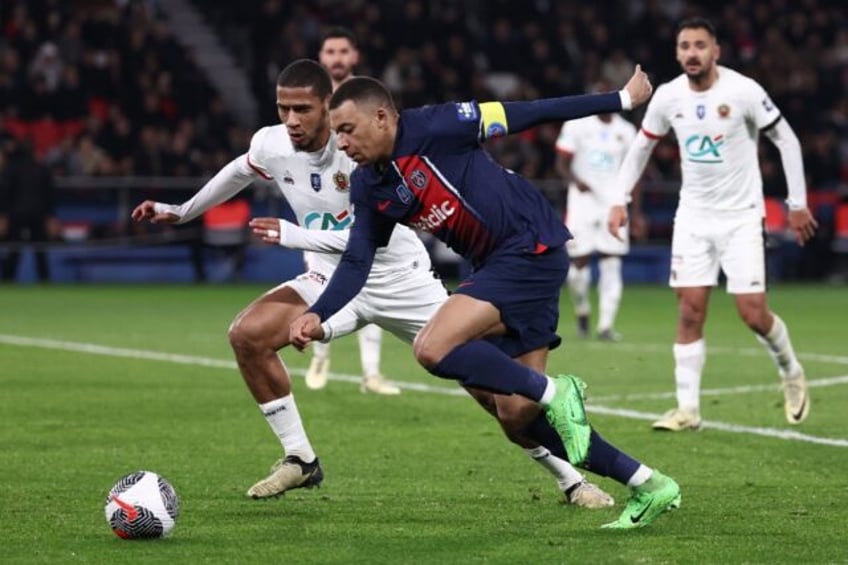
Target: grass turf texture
[[422, 477]]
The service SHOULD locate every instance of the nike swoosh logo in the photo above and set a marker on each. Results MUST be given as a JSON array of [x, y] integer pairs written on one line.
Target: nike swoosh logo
[[635, 519], [132, 513], [383, 205], [797, 416]]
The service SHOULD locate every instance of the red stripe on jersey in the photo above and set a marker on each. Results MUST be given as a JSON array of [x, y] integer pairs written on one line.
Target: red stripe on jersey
[[650, 135], [259, 171]]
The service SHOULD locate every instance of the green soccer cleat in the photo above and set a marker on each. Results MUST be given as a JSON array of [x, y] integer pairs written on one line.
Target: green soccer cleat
[[567, 416], [659, 494]]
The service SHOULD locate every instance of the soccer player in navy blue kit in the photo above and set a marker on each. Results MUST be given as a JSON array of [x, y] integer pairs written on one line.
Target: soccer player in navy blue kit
[[426, 168]]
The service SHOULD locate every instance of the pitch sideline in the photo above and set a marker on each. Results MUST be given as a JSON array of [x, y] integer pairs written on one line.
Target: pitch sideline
[[784, 434]]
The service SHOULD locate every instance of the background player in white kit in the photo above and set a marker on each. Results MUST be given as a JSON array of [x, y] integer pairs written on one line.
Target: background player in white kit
[[401, 293], [589, 152], [339, 55], [717, 115]]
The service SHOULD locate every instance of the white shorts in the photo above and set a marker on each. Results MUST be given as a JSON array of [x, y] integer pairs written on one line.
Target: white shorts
[[400, 300], [704, 242], [587, 222]]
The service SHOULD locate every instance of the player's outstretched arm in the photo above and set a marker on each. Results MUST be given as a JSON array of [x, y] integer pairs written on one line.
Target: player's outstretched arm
[[286, 234]]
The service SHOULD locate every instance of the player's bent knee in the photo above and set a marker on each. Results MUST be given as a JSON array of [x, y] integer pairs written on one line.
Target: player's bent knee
[[428, 353]]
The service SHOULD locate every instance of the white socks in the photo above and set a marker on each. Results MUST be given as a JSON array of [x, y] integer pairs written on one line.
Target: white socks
[[579, 280], [688, 363], [283, 417], [320, 350], [566, 475], [370, 339], [779, 347], [609, 290], [640, 477]]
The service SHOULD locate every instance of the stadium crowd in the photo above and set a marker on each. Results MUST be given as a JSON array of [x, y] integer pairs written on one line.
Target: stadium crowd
[[102, 88]]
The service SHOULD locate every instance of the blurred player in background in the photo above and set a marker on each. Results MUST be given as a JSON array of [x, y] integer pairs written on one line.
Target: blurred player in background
[[717, 115], [401, 293], [339, 55], [426, 168], [589, 152]]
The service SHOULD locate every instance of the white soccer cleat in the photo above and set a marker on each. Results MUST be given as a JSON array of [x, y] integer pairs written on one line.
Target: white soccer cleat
[[378, 385], [588, 495], [287, 474], [796, 399], [316, 375], [679, 419]]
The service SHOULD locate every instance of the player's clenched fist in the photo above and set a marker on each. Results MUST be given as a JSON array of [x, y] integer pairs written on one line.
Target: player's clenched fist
[[304, 329]]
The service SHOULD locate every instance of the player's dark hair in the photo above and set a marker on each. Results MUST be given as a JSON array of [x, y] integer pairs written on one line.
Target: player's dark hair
[[697, 23], [339, 32], [306, 73], [362, 89]]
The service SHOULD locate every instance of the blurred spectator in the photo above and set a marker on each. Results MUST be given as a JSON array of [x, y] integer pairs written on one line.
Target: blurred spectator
[[26, 209]]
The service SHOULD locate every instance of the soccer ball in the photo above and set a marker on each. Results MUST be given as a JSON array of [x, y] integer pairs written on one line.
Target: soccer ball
[[142, 505]]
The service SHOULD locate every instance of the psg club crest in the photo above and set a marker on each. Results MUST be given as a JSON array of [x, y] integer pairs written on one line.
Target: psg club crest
[[341, 181], [701, 111], [723, 111], [315, 180], [418, 179]]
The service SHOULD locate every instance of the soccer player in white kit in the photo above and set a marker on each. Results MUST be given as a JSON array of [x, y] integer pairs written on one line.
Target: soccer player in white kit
[[717, 115], [589, 153], [401, 294], [339, 55]]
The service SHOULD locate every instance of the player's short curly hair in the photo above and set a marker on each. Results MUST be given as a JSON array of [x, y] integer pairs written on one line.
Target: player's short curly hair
[[697, 23], [360, 90], [306, 73]]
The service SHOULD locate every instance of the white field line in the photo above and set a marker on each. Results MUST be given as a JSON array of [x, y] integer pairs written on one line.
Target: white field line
[[95, 349]]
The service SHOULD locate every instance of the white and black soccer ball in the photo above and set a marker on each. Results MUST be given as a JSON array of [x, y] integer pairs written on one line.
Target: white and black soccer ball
[[142, 505]]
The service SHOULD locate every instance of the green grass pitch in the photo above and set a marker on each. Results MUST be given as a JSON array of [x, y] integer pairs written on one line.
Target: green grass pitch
[[92, 387]]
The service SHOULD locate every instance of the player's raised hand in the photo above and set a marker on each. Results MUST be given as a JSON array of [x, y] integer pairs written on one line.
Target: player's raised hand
[[803, 225], [268, 229], [155, 214], [304, 329], [616, 220], [639, 87]]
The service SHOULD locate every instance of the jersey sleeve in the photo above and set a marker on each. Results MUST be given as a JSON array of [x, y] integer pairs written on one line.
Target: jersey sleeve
[[256, 155], [656, 124], [761, 110], [456, 124], [567, 140]]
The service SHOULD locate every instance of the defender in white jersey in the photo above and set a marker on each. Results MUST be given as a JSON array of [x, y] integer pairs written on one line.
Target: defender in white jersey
[[589, 153], [717, 115], [401, 294]]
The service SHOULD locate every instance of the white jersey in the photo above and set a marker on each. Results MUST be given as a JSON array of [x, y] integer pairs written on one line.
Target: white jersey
[[717, 131], [316, 186], [598, 148]]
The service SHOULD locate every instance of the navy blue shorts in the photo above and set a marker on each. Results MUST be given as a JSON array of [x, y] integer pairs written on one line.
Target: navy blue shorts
[[525, 288]]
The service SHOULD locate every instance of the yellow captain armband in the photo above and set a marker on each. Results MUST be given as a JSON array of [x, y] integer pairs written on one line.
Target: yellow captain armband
[[494, 120]]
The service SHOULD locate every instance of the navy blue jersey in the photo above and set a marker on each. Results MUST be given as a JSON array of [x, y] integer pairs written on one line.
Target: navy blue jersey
[[442, 181]]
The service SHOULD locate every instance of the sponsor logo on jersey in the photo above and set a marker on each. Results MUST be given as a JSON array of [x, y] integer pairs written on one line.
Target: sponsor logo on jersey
[[404, 193], [327, 220], [341, 181], [418, 179], [704, 149], [768, 106], [432, 218], [700, 111], [723, 111], [288, 178], [466, 111], [315, 181]]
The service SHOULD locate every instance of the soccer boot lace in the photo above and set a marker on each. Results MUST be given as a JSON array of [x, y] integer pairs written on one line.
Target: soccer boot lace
[[287, 474], [567, 416], [588, 495], [678, 419], [648, 501], [796, 399], [316, 375], [378, 385]]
